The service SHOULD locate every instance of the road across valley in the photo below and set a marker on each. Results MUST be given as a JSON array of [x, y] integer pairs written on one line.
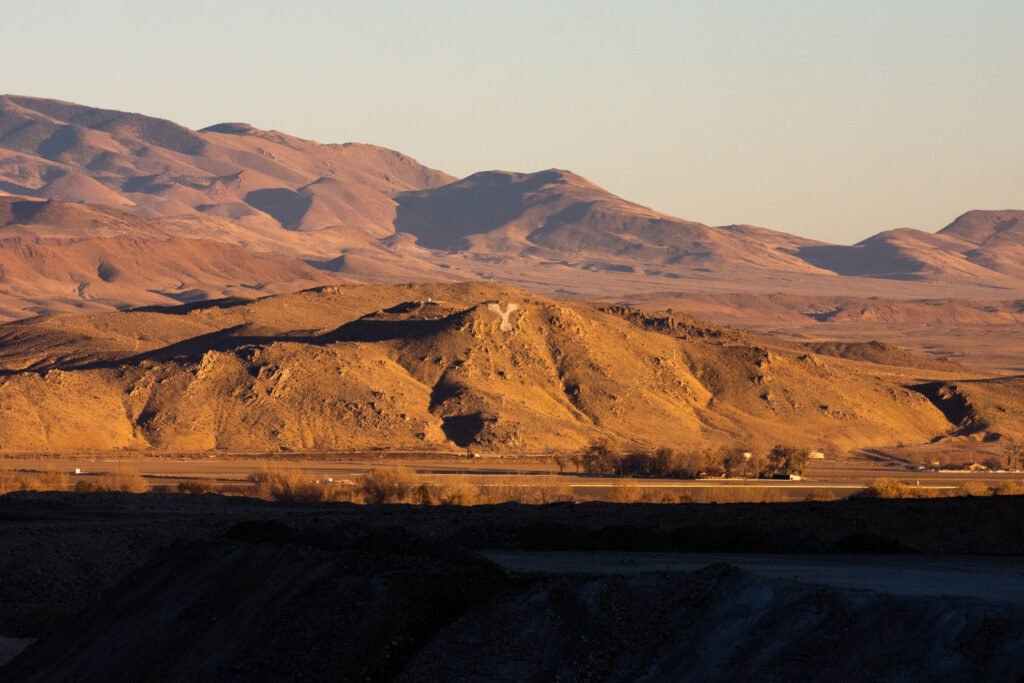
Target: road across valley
[[842, 476]]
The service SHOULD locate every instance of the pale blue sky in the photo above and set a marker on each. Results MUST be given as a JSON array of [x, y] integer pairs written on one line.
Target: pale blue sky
[[828, 119]]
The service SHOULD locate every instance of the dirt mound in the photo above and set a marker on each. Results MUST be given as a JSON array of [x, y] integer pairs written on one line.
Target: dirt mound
[[430, 365], [269, 602]]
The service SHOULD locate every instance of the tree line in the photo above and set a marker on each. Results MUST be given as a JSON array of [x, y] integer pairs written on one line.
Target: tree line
[[604, 456]]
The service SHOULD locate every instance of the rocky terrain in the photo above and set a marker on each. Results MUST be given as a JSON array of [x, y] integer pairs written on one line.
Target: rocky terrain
[[452, 366], [983, 334], [167, 587]]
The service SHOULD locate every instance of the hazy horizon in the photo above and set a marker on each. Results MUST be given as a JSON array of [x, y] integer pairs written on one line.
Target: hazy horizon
[[820, 119]]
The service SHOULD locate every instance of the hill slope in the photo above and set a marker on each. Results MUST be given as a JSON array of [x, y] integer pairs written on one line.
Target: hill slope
[[61, 257], [439, 366]]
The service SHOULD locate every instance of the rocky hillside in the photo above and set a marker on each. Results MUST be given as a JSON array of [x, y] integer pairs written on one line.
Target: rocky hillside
[[439, 366]]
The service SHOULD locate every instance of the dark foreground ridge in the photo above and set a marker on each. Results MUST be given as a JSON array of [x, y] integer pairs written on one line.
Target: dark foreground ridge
[[210, 588]]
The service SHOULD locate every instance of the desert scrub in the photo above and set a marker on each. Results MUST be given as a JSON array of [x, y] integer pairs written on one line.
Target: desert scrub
[[53, 479], [666, 496], [388, 485], [451, 491], [736, 494], [1007, 488], [972, 488], [196, 487], [123, 479], [539, 491], [549, 490], [50, 479], [887, 488], [625, 491], [820, 496], [287, 486], [506, 489]]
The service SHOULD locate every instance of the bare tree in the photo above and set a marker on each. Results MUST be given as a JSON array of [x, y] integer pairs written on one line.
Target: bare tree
[[1013, 451], [734, 462], [600, 457], [788, 460]]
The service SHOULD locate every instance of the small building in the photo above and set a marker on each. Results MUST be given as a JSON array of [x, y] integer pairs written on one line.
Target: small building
[[816, 455]]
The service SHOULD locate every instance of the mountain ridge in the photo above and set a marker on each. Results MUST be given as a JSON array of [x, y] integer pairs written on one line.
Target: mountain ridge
[[365, 213]]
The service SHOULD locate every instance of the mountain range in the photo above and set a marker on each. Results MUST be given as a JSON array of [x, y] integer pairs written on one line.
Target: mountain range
[[207, 236], [173, 214]]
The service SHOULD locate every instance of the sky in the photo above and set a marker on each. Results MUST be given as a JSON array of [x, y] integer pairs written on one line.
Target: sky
[[828, 119]]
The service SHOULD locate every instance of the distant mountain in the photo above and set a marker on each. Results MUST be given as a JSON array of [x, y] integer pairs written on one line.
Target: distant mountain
[[155, 168], [978, 245], [368, 214], [62, 257], [557, 214]]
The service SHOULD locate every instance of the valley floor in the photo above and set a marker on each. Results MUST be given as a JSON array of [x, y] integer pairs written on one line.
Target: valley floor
[[841, 477]]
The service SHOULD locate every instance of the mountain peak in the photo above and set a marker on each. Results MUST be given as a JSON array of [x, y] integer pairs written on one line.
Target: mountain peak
[[978, 226]]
